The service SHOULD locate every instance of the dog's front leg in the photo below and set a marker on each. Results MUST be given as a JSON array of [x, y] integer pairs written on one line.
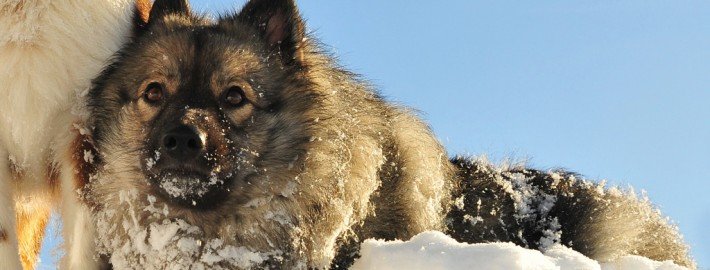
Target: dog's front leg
[[9, 254], [78, 230]]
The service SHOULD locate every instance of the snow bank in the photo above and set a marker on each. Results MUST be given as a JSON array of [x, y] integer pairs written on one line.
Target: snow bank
[[434, 250]]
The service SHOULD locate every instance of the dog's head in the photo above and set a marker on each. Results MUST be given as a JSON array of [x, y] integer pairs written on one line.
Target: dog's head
[[193, 110]]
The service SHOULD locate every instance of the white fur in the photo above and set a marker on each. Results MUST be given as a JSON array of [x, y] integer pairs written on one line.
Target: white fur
[[8, 248], [49, 52]]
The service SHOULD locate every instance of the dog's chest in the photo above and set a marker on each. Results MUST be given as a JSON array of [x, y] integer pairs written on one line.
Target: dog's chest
[[49, 52]]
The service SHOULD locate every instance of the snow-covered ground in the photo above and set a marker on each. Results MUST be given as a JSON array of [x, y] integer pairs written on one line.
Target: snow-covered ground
[[434, 250]]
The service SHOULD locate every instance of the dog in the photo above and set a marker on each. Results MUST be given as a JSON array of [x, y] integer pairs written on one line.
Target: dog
[[537, 209], [49, 52], [237, 142]]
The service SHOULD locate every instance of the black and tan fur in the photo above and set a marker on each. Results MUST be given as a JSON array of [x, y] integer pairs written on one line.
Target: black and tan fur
[[311, 163], [535, 209]]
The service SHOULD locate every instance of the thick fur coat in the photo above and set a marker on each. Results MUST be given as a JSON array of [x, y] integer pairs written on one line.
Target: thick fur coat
[[237, 143], [537, 209], [49, 52]]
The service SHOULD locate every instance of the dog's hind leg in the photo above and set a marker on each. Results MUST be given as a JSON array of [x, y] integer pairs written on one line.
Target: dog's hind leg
[[79, 235], [9, 253], [78, 231], [32, 219]]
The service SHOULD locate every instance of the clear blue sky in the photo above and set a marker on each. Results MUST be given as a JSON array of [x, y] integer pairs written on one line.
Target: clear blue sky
[[616, 90]]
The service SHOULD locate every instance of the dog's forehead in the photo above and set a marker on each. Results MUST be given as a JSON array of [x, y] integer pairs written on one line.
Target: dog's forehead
[[204, 49]]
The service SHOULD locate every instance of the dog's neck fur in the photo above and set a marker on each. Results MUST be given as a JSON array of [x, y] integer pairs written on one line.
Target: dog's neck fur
[[39, 41]]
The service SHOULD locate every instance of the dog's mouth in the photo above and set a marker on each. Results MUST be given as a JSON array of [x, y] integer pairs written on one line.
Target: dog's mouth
[[190, 188]]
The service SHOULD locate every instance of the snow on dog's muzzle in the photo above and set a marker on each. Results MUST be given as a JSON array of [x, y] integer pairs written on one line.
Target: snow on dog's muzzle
[[180, 172], [191, 189]]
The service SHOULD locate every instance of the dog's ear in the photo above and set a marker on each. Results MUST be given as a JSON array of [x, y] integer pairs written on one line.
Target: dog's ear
[[141, 11], [144, 14], [280, 25], [161, 8]]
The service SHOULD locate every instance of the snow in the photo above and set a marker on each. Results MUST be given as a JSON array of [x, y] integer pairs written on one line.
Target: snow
[[532, 203], [166, 243], [179, 187], [434, 250]]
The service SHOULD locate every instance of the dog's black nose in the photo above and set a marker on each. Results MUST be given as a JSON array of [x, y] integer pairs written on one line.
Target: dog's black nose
[[183, 143]]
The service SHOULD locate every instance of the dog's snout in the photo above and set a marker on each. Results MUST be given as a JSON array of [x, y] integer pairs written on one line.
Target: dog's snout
[[183, 143]]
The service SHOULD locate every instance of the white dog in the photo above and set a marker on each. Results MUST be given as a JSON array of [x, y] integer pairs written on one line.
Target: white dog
[[49, 52]]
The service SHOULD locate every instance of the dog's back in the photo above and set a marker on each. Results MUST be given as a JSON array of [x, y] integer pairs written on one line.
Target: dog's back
[[49, 53]]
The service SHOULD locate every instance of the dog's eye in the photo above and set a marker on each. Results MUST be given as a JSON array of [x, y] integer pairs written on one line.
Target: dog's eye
[[234, 96], [153, 93]]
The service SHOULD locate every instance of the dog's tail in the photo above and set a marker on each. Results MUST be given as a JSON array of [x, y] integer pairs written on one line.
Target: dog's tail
[[537, 209]]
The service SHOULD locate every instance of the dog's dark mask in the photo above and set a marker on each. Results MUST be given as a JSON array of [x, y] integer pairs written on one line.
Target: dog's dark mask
[[202, 95]]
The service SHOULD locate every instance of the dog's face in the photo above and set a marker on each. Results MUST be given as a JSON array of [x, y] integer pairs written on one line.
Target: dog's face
[[189, 109]]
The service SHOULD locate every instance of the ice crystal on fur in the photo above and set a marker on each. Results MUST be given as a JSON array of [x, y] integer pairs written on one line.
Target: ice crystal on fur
[[156, 242], [181, 187]]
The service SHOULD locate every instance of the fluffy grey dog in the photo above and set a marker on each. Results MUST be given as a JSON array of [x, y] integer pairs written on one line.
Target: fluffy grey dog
[[238, 143]]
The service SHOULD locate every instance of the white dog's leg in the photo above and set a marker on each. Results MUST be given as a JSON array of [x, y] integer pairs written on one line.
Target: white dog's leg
[[9, 253], [78, 230], [31, 222]]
